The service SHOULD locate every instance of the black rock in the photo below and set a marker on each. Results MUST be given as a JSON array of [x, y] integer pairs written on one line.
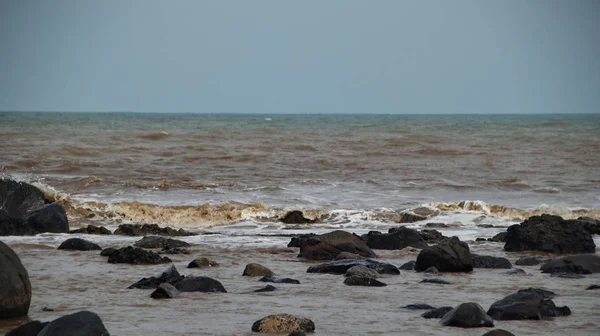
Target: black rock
[[566, 275], [437, 313], [279, 280], [342, 266], [300, 240], [200, 284], [528, 261], [437, 281], [449, 256], [202, 263], [499, 238], [254, 270], [549, 233], [267, 288], [432, 270], [160, 242], [15, 288], [28, 329], [165, 291], [296, 217], [592, 287], [480, 239], [107, 252], [498, 332], [327, 246], [590, 225], [580, 264], [432, 236], [362, 281], [480, 261], [170, 276], [149, 230], [397, 238], [467, 315], [530, 304], [546, 294], [174, 250], [83, 323], [418, 306], [79, 244], [92, 229], [136, 255], [409, 266], [516, 271], [48, 218], [19, 198], [10, 226]]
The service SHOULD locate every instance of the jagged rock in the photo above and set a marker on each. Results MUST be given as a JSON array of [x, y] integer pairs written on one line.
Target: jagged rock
[[79, 244], [15, 288], [580, 264], [549, 233], [92, 229], [531, 304], [592, 287], [165, 291], [498, 332], [202, 263], [396, 239], [28, 329], [342, 266], [480, 261], [328, 246], [107, 252], [450, 256], [437, 281], [136, 255], [83, 323], [356, 280], [467, 315], [409, 266], [200, 284], [499, 238], [516, 271], [566, 275], [362, 271], [296, 217], [48, 218], [160, 242], [418, 306], [267, 288], [437, 313], [254, 270], [170, 275], [300, 240], [283, 323], [279, 280], [348, 255], [149, 230], [528, 261]]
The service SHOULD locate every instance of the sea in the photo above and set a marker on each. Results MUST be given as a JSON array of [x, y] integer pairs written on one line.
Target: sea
[[232, 177]]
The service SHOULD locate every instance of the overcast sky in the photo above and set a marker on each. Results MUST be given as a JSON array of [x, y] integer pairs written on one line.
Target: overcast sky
[[321, 56]]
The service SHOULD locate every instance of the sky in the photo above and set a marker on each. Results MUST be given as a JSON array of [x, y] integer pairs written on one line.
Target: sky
[[311, 56]]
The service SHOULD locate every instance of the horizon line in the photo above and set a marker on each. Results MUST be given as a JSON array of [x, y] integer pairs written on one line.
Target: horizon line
[[301, 113]]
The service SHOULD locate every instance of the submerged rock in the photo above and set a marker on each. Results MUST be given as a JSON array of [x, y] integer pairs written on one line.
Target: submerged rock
[[498, 332], [202, 263], [174, 250], [92, 229], [531, 304], [255, 270], [267, 288], [342, 266], [356, 280], [136, 255], [436, 281], [480, 261], [467, 315], [107, 252], [450, 256], [409, 266], [499, 238], [327, 246], [170, 275], [283, 323], [516, 271], [165, 291], [77, 324], [580, 264], [48, 218], [528, 261], [437, 313], [592, 287], [296, 217], [567, 275], [160, 242], [279, 280], [15, 288], [200, 284], [418, 306], [149, 230], [79, 244]]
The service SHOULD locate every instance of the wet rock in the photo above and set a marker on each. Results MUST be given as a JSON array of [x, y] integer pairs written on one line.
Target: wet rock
[[136, 255], [28, 329], [531, 304], [10, 226], [432, 270], [356, 280], [480, 239], [408, 217], [165, 291], [499, 238], [150, 230], [15, 288], [328, 246], [296, 217], [528, 261], [593, 287], [92, 229], [19, 198], [362, 271], [437, 313], [566, 275], [590, 225], [348, 255], [279, 280], [254, 270], [450, 256], [546, 294], [300, 240], [107, 252], [48, 218], [267, 288], [200, 284], [418, 306], [436, 225], [432, 236], [342, 266], [83, 323], [580, 264], [79, 244], [174, 250], [409, 266], [516, 271], [297, 333], [418, 214], [549, 233], [396, 239], [202, 263], [480, 261], [160, 242], [283, 323], [467, 315], [498, 332], [436, 281], [170, 275]]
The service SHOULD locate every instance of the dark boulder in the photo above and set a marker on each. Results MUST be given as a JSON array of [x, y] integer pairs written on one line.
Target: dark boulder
[[170, 276], [342, 266], [164, 291], [107, 252], [436, 281], [499, 238], [83, 323], [362, 271], [92, 229], [546, 294], [480, 261], [279, 280], [160, 242], [529, 304], [418, 306], [15, 288], [10, 226], [136, 255], [498, 332], [202, 263], [150, 230], [300, 240], [528, 261], [28, 329], [396, 239], [267, 288], [48, 218], [549, 233], [296, 217], [590, 225], [19, 198], [356, 280], [593, 287], [451, 256], [467, 315], [327, 246], [200, 284], [437, 313], [580, 264], [409, 266], [432, 236], [79, 244], [283, 323], [254, 270]]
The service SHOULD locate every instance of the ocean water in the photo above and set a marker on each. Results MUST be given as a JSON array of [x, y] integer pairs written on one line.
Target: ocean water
[[234, 176]]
